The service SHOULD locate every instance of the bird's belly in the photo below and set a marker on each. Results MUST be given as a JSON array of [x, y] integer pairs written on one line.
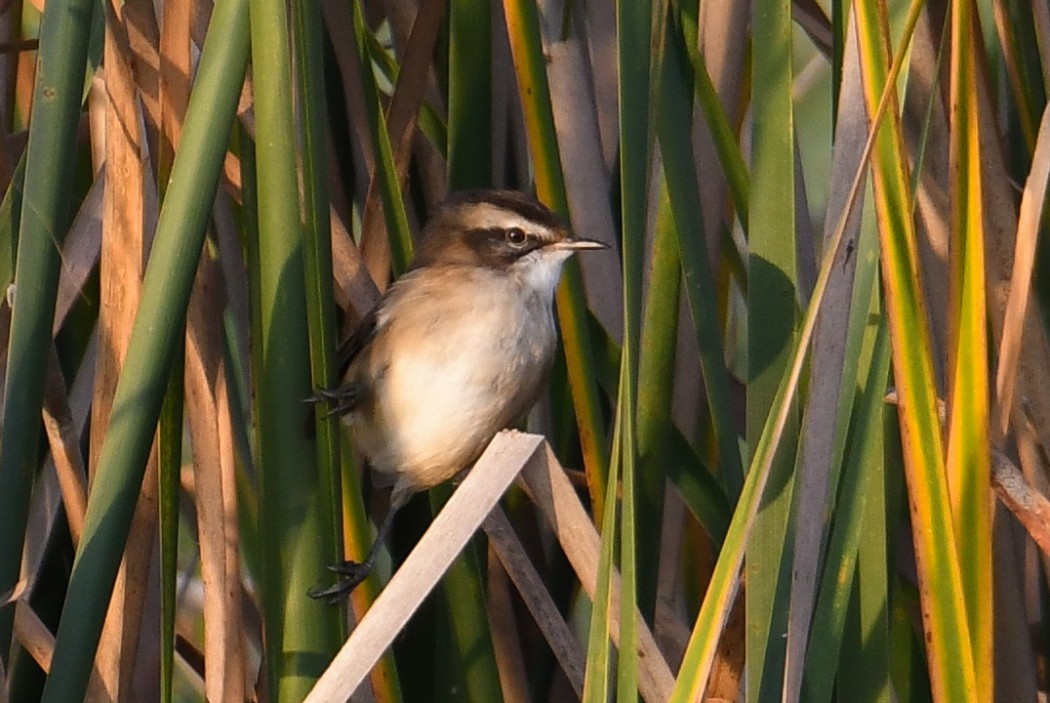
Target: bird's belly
[[440, 403]]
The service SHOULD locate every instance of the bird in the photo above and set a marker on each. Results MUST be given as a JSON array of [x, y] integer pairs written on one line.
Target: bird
[[457, 349]]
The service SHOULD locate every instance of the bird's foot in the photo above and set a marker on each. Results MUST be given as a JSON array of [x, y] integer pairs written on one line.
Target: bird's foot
[[339, 400], [351, 574], [323, 395]]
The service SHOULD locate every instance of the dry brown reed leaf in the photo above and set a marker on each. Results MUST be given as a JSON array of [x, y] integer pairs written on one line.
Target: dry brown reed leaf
[[587, 181], [810, 16], [123, 241], [124, 244], [1027, 504], [506, 641], [34, 636], [14, 593], [96, 118], [413, 81], [39, 643], [63, 437], [47, 501], [504, 542], [464, 512], [175, 67], [80, 250], [728, 669], [355, 290], [190, 661], [143, 35], [1016, 312], [211, 433], [25, 79], [337, 18], [550, 490], [719, 27], [814, 485]]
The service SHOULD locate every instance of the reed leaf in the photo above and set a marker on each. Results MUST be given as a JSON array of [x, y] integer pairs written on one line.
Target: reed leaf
[[771, 323], [154, 339], [297, 539], [946, 620], [44, 218], [968, 455], [684, 194], [523, 31]]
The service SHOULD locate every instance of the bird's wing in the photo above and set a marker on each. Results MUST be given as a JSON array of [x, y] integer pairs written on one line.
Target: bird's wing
[[364, 333], [344, 397]]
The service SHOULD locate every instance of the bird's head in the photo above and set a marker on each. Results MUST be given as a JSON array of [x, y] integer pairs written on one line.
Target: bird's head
[[501, 230]]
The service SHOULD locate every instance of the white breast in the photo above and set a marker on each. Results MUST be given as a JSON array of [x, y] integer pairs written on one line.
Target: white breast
[[456, 377]]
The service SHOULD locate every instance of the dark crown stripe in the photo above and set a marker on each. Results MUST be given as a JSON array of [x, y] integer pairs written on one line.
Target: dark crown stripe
[[512, 200]]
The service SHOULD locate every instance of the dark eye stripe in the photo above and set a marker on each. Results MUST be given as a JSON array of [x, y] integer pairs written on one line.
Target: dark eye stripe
[[497, 244], [500, 236]]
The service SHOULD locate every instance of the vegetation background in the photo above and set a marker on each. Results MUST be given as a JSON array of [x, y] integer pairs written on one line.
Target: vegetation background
[[804, 396]]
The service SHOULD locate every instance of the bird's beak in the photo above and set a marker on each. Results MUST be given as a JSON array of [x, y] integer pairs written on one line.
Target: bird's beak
[[578, 244]]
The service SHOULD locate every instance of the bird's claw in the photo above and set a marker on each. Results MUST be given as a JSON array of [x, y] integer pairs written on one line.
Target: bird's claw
[[333, 595], [323, 395], [351, 575], [339, 400]]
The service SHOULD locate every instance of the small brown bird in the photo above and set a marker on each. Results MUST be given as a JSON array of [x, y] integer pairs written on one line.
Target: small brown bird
[[457, 349]]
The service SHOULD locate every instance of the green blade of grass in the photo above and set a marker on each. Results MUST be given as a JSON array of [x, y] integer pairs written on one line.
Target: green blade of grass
[[596, 682], [154, 339], [696, 484], [398, 231], [656, 360], [639, 40], [945, 615], [302, 633], [317, 263], [523, 30], [469, 166], [729, 155], [684, 193], [968, 456], [844, 544], [771, 329], [10, 214], [169, 466], [872, 660], [175, 46], [44, 218], [470, 94], [714, 612]]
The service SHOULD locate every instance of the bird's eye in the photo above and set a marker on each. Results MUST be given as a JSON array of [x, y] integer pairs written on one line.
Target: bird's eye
[[516, 237]]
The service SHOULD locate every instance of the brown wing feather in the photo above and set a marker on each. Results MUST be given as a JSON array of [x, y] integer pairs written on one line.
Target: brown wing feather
[[345, 396]]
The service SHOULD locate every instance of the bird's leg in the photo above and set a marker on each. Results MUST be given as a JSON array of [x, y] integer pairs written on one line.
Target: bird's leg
[[353, 573]]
